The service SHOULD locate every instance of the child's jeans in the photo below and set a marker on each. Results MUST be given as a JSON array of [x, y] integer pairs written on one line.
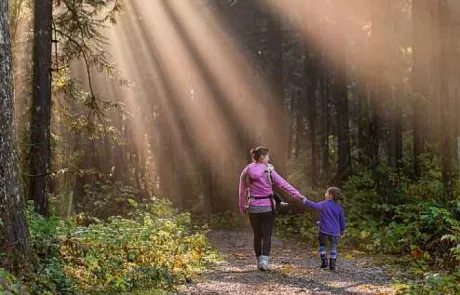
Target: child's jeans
[[333, 241]]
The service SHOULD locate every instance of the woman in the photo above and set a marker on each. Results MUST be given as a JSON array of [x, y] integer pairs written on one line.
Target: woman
[[257, 199]]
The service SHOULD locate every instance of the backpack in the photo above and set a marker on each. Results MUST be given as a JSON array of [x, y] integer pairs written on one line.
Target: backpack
[[273, 198]]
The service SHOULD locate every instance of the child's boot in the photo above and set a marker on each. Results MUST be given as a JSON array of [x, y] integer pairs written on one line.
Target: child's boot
[[332, 263], [324, 261]]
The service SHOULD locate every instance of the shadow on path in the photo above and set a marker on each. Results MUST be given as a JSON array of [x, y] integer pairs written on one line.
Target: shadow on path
[[295, 270]]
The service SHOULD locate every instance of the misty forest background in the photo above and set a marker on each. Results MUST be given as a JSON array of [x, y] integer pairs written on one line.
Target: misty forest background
[[121, 104]]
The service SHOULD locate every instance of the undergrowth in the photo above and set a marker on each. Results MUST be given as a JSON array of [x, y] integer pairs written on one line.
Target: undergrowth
[[154, 248]]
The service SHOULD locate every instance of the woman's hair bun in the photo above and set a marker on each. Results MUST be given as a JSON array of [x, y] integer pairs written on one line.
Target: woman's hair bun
[[258, 152]]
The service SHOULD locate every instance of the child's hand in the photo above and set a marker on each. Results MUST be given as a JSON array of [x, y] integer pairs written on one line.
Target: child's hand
[[284, 204], [343, 234]]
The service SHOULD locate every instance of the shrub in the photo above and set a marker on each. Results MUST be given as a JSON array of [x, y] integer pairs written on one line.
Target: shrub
[[433, 284], [417, 223], [153, 248], [103, 199], [228, 220], [9, 285], [301, 226]]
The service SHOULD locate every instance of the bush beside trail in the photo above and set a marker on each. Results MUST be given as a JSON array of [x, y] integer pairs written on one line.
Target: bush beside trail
[[154, 248]]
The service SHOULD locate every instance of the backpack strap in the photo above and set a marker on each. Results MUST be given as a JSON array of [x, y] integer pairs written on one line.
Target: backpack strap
[[247, 180], [268, 172], [273, 198]]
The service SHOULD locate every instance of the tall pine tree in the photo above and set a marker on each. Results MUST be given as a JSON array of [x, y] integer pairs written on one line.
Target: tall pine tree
[[12, 207]]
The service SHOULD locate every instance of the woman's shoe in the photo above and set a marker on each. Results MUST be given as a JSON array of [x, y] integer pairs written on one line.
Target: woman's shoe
[[263, 263]]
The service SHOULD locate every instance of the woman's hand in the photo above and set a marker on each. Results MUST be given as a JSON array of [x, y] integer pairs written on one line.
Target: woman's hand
[[304, 202], [284, 204]]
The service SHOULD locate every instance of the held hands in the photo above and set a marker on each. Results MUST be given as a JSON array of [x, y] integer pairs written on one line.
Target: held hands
[[304, 202], [284, 204]]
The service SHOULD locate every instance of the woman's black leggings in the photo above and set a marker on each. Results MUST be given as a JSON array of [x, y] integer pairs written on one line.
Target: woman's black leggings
[[262, 226]]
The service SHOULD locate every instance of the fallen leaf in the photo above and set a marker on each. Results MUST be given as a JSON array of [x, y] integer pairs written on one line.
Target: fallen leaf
[[348, 257]]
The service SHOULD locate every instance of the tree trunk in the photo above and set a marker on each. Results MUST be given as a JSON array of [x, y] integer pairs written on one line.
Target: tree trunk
[[40, 151], [299, 114], [383, 19], [207, 184], [324, 97], [12, 207], [448, 95], [374, 127], [341, 99], [378, 85], [422, 16], [278, 121], [397, 133], [166, 159], [363, 126], [311, 73], [120, 150], [395, 151]]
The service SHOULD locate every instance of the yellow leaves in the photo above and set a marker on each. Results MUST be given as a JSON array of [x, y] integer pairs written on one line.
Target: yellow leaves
[[348, 256], [60, 82], [287, 268], [157, 249]]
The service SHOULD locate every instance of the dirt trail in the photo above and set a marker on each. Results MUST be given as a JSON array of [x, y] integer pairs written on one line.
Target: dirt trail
[[294, 271]]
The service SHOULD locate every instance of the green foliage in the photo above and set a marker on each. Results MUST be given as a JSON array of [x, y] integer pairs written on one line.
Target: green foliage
[[78, 27], [9, 285], [413, 220], [389, 213], [125, 254], [433, 284], [298, 226], [104, 198], [153, 248], [419, 229], [48, 274], [417, 223], [227, 220]]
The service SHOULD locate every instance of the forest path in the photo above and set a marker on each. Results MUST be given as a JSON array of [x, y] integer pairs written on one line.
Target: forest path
[[295, 270]]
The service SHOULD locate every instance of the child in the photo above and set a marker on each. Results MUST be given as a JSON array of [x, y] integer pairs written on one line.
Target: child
[[331, 225]]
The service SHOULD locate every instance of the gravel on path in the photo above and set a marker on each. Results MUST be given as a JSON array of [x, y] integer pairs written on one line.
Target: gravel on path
[[295, 270]]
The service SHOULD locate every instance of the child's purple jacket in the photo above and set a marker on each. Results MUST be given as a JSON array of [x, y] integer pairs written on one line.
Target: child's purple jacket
[[332, 220], [260, 186]]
